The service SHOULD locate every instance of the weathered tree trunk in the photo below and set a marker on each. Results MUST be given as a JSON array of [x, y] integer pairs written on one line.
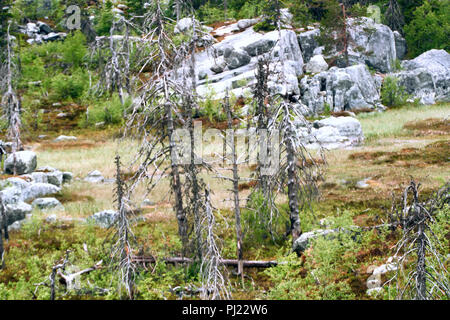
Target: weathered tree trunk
[[421, 278], [294, 214], [175, 175], [237, 210], [226, 262], [345, 35]]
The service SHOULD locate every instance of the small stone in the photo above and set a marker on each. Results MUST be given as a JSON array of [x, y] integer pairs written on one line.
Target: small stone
[[147, 203], [67, 177], [104, 219], [65, 138], [47, 203], [51, 218], [94, 177]]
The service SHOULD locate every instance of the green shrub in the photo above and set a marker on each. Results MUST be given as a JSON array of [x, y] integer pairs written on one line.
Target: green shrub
[[104, 18], [324, 275], [250, 9], [109, 112], [74, 49], [265, 25], [258, 221], [300, 12], [393, 95], [210, 13], [69, 86]]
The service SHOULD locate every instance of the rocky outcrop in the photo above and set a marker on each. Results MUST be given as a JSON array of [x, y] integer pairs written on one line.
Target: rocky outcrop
[[36, 190], [401, 47], [331, 133], [427, 77], [308, 42], [22, 161], [316, 64], [369, 43], [232, 63], [16, 212], [40, 32], [346, 89], [372, 44], [235, 58]]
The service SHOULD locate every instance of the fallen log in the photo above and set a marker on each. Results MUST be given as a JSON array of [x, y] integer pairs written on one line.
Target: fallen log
[[226, 262]]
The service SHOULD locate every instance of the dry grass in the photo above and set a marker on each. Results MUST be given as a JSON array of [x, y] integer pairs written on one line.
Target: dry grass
[[392, 155]]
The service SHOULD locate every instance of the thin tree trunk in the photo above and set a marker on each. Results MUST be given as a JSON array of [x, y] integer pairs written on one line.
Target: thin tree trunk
[[237, 210], [294, 214], [175, 176], [421, 272], [226, 262]]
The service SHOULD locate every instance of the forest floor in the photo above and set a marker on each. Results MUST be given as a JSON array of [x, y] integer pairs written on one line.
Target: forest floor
[[401, 144]]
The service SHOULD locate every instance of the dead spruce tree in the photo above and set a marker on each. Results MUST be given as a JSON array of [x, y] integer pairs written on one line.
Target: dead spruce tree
[[394, 16], [10, 102], [159, 112], [194, 184], [214, 284], [114, 58], [3, 232], [232, 157], [67, 280], [298, 171], [265, 209], [420, 247], [121, 251]]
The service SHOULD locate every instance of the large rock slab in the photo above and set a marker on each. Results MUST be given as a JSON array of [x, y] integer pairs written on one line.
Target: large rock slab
[[316, 64], [401, 46], [37, 190], [371, 43], [331, 133], [427, 77], [16, 212], [236, 50], [345, 89], [25, 162], [308, 42], [47, 203], [236, 58]]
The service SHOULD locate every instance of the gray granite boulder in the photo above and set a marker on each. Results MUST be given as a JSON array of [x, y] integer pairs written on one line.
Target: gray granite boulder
[[104, 219], [36, 190], [25, 162], [427, 77], [308, 42], [236, 58], [47, 203], [343, 89], [94, 177]]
